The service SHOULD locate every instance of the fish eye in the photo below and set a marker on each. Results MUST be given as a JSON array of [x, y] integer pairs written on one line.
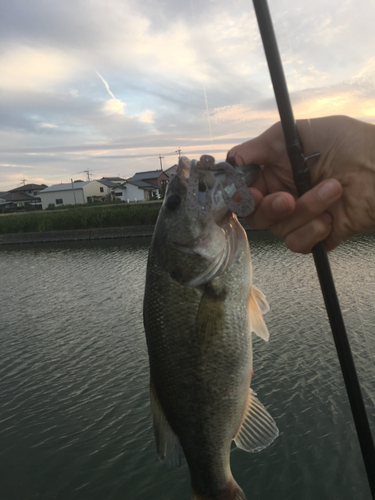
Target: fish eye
[[173, 202]]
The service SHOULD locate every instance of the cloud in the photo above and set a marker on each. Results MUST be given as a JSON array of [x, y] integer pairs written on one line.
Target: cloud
[[26, 68], [48, 125], [347, 101], [107, 82], [147, 116], [113, 106], [240, 113]]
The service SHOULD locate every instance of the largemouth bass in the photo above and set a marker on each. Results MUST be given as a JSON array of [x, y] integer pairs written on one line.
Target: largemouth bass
[[200, 309]]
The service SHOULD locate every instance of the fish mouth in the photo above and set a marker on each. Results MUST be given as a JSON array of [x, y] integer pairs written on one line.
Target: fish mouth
[[211, 187]]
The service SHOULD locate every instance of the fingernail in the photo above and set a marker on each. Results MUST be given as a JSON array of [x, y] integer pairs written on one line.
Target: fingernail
[[280, 204], [328, 190]]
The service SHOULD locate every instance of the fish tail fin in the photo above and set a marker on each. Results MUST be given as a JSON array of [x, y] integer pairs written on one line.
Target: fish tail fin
[[231, 492]]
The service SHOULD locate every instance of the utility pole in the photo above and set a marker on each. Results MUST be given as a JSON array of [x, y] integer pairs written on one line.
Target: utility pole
[[87, 172], [179, 153], [161, 163], [23, 181], [74, 193]]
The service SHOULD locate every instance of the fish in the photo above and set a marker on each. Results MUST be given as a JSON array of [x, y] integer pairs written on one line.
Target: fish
[[200, 310]]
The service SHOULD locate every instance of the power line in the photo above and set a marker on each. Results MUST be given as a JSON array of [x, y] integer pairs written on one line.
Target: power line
[[88, 172]]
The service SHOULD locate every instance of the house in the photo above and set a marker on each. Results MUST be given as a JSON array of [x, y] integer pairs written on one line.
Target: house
[[73, 193], [116, 180], [30, 189], [115, 191], [171, 170], [146, 185], [119, 193], [12, 200]]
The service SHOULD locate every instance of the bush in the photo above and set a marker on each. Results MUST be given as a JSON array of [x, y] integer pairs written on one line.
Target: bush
[[114, 215]]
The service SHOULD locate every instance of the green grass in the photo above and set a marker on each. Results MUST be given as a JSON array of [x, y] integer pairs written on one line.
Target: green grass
[[80, 218]]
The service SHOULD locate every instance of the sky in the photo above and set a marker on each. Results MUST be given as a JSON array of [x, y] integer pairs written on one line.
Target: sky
[[110, 86]]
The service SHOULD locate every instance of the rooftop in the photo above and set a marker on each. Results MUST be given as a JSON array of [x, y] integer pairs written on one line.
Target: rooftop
[[142, 184], [150, 174], [18, 197], [171, 170], [108, 183], [112, 179], [29, 187], [67, 186]]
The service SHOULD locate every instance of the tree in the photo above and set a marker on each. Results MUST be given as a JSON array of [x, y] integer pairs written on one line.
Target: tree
[[163, 188]]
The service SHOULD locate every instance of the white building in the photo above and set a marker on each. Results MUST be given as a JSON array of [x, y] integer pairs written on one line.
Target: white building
[[134, 193], [116, 191], [119, 193], [73, 193], [145, 185]]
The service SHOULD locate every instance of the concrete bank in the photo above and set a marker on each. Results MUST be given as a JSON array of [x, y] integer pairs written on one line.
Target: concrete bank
[[84, 234], [77, 235]]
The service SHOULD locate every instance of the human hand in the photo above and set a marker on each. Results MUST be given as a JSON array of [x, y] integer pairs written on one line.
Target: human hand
[[341, 203]]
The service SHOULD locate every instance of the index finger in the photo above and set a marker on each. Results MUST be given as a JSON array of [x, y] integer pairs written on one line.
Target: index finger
[[268, 147]]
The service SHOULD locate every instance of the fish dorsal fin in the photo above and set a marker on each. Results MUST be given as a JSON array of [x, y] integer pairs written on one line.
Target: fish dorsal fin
[[258, 306], [258, 428], [167, 443]]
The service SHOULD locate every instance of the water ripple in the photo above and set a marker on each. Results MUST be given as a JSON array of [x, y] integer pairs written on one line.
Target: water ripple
[[75, 417]]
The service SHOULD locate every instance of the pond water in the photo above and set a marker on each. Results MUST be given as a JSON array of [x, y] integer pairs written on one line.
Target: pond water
[[75, 417]]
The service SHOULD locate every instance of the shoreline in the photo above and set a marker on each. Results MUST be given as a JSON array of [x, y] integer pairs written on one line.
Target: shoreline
[[77, 235], [84, 234]]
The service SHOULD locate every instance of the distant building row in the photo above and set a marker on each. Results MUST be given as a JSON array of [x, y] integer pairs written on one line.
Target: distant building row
[[142, 186]]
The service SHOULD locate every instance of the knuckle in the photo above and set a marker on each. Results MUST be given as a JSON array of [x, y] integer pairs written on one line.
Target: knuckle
[[279, 230], [304, 238], [297, 244]]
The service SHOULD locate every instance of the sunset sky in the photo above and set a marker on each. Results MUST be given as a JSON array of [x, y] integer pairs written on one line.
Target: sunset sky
[[109, 85]]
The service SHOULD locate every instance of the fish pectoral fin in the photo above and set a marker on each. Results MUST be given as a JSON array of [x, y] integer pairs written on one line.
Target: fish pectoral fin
[[167, 443], [258, 428], [260, 299], [258, 306]]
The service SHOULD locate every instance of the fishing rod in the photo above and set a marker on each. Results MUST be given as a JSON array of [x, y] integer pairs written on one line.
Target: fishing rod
[[301, 179]]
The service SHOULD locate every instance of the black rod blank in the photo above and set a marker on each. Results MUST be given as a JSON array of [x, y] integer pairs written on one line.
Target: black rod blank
[[301, 179]]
